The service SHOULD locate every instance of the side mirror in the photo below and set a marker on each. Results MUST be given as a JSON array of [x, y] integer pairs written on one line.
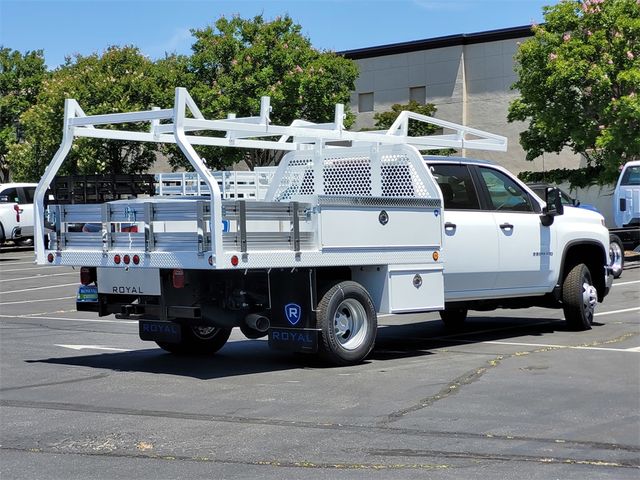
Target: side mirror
[[554, 206], [554, 202]]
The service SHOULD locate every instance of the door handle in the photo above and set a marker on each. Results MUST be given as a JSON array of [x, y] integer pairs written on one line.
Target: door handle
[[450, 226], [506, 226]]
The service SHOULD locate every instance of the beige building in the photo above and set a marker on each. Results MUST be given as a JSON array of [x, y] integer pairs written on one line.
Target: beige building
[[467, 76]]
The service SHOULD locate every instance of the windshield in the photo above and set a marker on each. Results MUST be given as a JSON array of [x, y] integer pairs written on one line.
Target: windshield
[[631, 176]]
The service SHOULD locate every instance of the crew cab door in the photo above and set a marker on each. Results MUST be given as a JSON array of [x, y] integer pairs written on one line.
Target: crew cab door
[[470, 242], [525, 245]]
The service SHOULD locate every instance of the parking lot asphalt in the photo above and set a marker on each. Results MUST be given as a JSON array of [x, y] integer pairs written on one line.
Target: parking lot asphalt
[[514, 394]]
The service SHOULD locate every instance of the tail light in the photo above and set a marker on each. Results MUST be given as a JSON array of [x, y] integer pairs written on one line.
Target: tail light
[[129, 229], [178, 278], [126, 259], [87, 275]]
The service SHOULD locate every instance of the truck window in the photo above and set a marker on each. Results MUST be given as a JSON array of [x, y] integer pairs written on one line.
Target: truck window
[[631, 176], [504, 193], [457, 187], [10, 195], [29, 193]]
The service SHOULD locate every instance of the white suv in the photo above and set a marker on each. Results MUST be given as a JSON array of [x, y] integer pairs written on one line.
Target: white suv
[[17, 223]]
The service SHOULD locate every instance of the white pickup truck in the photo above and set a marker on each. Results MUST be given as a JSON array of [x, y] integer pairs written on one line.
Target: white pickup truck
[[16, 212], [353, 224]]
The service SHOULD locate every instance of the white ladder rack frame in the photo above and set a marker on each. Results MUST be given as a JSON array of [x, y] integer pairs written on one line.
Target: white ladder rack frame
[[247, 132]]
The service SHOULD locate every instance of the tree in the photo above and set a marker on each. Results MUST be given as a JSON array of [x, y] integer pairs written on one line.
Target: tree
[[236, 61], [119, 80], [579, 84], [384, 120], [21, 76]]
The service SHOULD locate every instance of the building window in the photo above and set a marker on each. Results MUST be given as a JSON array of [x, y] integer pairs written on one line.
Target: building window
[[365, 102], [418, 94]]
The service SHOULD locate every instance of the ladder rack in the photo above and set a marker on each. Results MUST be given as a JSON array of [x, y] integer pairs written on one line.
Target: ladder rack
[[176, 127]]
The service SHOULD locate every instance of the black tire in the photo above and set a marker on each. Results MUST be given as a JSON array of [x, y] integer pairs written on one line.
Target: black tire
[[198, 341], [453, 317], [579, 298], [616, 255], [348, 323]]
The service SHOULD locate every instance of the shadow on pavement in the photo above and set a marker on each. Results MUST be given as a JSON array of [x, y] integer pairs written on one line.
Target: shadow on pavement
[[247, 357]]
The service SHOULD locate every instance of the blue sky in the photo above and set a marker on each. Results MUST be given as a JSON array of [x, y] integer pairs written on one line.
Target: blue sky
[[66, 27]]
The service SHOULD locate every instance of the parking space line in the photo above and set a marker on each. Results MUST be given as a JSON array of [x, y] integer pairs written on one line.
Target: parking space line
[[38, 276], [39, 300], [35, 268], [87, 320], [19, 263], [40, 288], [626, 283], [625, 310]]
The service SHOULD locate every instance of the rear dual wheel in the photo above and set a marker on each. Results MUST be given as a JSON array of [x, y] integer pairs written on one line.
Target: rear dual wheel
[[348, 323], [198, 340]]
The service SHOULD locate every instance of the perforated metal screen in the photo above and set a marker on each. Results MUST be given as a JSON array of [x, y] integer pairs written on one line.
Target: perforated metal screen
[[390, 171]]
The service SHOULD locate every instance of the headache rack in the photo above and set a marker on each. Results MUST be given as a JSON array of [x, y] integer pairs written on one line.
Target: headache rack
[[330, 182]]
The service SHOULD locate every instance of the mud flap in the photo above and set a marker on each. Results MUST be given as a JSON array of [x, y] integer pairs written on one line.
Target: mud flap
[[158, 331], [294, 339]]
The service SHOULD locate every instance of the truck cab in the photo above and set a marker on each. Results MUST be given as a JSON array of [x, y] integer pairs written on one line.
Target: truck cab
[[626, 197], [503, 247]]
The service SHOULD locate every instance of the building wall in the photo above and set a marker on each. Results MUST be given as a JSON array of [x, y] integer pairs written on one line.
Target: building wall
[[470, 84]]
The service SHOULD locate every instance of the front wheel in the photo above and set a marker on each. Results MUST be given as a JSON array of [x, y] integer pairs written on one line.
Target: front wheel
[[579, 298], [199, 340], [348, 323]]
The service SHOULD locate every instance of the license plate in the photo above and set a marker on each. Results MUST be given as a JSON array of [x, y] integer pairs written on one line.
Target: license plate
[[87, 294], [132, 281]]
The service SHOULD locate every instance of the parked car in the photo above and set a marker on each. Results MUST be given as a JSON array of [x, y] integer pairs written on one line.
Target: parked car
[[18, 226]]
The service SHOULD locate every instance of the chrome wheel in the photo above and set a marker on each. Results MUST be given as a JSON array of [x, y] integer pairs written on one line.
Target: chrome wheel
[[346, 318], [350, 323], [616, 256], [589, 299]]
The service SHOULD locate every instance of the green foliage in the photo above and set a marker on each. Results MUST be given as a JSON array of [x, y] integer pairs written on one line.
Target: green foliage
[[577, 178], [21, 76], [236, 61], [579, 84], [119, 80], [384, 120]]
